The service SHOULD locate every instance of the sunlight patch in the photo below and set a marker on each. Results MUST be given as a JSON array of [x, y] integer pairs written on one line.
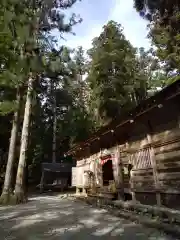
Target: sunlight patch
[[111, 218], [103, 231], [30, 217], [50, 215], [118, 231], [8, 215], [67, 213], [26, 223], [98, 211], [63, 230], [35, 218], [32, 208], [89, 222], [132, 224]]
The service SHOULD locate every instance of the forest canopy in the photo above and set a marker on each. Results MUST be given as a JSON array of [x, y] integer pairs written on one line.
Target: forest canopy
[[53, 96]]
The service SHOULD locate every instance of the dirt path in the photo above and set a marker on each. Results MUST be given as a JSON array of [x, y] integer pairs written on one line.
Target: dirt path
[[52, 218]]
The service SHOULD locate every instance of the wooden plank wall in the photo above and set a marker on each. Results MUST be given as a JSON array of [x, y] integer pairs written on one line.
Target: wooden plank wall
[[154, 152], [152, 146], [168, 164]]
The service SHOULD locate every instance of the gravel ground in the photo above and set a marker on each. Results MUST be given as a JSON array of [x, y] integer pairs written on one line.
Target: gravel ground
[[54, 218]]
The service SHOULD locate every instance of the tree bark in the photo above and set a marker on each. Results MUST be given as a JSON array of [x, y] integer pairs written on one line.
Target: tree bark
[[5, 197], [19, 187], [54, 125]]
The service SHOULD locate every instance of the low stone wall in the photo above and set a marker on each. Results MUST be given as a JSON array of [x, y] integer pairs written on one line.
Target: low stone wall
[[162, 218]]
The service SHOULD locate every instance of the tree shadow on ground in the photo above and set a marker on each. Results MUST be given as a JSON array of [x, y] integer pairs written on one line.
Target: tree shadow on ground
[[52, 218]]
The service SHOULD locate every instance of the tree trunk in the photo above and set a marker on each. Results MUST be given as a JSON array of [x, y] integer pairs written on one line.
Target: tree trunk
[[19, 187], [54, 126], [7, 191]]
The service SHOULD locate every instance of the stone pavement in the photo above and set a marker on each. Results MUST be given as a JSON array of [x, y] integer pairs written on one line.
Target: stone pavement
[[54, 218]]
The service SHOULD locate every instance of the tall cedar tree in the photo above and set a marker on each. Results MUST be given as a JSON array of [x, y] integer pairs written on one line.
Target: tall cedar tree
[[149, 7], [11, 76], [32, 23], [51, 17], [115, 87], [76, 124], [164, 32], [73, 120]]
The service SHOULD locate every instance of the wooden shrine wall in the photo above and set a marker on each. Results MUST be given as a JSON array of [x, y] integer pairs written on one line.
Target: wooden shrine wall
[[166, 144], [93, 164], [152, 146]]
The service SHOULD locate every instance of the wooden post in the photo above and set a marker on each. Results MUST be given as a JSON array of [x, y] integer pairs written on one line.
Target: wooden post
[[42, 181], [179, 121], [94, 171], [131, 180], [154, 167], [100, 170], [120, 175], [77, 191], [132, 187], [84, 192]]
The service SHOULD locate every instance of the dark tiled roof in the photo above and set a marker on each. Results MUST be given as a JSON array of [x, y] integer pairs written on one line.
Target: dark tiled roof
[[57, 167], [146, 105]]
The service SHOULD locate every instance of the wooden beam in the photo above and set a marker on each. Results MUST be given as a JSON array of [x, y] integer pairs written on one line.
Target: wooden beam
[[169, 176], [124, 122]]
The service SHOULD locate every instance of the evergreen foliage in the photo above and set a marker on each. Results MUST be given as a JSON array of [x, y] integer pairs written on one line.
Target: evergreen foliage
[[80, 90]]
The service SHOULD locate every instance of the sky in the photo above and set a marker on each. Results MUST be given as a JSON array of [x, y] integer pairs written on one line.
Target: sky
[[96, 13]]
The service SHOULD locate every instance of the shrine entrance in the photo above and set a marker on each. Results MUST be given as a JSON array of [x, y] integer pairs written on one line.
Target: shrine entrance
[[107, 170]]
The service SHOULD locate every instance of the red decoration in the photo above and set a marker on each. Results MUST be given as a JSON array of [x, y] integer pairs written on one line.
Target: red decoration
[[106, 158]]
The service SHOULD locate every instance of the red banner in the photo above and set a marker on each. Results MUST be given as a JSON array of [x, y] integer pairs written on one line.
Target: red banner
[[106, 158]]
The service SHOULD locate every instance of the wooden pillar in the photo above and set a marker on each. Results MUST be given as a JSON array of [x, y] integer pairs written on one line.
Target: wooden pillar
[[77, 191], [94, 171], [120, 174], [154, 167], [132, 187], [84, 191], [42, 181], [100, 172], [131, 181], [179, 121]]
